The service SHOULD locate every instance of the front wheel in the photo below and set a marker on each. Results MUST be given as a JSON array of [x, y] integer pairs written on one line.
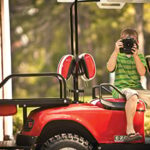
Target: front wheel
[[66, 141]]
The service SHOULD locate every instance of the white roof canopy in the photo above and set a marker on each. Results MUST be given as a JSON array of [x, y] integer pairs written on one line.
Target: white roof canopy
[[130, 1], [104, 4], [65, 1], [109, 4], [124, 1]]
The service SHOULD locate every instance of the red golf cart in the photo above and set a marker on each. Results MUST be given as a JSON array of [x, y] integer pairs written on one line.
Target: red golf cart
[[65, 124]]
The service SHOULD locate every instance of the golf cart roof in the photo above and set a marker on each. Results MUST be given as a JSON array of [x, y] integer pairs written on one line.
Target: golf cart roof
[[107, 4], [126, 1]]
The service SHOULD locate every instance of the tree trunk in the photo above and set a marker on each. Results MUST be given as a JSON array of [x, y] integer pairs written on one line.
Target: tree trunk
[[139, 26]]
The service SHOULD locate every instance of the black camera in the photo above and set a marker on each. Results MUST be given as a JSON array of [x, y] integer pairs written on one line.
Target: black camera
[[128, 44]]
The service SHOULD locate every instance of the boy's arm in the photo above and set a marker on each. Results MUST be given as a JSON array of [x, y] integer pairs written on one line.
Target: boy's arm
[[139, 65], [111, 64]]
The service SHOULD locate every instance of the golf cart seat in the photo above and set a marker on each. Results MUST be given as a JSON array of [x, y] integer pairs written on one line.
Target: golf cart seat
[[108, 102], [8, 110], [87, 66], [66, 65], [116, 104]]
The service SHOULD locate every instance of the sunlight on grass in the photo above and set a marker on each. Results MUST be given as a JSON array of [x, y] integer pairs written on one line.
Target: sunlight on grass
[[147, 123]]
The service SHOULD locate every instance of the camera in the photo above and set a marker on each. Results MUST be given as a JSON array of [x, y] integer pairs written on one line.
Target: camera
[[128, 44]]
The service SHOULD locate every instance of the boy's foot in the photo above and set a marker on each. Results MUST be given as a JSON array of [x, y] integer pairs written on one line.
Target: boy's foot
[[132, 137]]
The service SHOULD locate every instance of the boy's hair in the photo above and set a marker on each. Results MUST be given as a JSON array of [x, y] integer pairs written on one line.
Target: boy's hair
[[129, 32]]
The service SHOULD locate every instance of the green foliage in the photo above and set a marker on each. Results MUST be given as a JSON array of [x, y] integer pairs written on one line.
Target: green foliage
[[40, 36], [17, 125], [18, 120]]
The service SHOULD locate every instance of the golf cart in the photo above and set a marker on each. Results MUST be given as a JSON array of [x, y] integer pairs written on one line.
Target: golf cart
[[62, 123]]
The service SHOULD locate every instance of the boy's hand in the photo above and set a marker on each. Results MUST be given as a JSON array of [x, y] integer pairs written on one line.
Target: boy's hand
[[118, 45], [135, 50]]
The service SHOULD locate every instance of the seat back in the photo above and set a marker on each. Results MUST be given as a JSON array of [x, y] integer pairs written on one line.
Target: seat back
[[87, 66], [66, 66], [8, 110]]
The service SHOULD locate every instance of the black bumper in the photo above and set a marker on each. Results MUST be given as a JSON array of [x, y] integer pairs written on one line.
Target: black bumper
[[25, 140]]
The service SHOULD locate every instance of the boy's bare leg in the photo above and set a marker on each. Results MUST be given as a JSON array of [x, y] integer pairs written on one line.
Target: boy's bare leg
[[130, 109], [145, 96]]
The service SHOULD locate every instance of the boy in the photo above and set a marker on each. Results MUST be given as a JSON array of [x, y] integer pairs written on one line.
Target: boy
[[128, 69]]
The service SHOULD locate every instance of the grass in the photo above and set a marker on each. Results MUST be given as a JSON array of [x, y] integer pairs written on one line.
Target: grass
[[18, 119]]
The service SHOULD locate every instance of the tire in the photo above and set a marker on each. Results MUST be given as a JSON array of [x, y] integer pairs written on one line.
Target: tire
[[66, 141]]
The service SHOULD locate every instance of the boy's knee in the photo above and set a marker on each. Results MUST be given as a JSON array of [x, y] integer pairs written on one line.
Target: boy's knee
[[134, 98], [130, 94]]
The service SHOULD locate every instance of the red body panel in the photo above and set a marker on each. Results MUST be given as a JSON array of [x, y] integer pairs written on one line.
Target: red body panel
[[103, 124]]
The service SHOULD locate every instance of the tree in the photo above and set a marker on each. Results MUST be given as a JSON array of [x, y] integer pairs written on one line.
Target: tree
[[41, 36], [140, 30]]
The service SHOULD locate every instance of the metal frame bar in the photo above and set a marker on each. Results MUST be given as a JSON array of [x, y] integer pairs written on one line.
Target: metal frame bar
[[74, 39], [76, 26], [103, 86], [71, 28], [58, 76], [25, 102]]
